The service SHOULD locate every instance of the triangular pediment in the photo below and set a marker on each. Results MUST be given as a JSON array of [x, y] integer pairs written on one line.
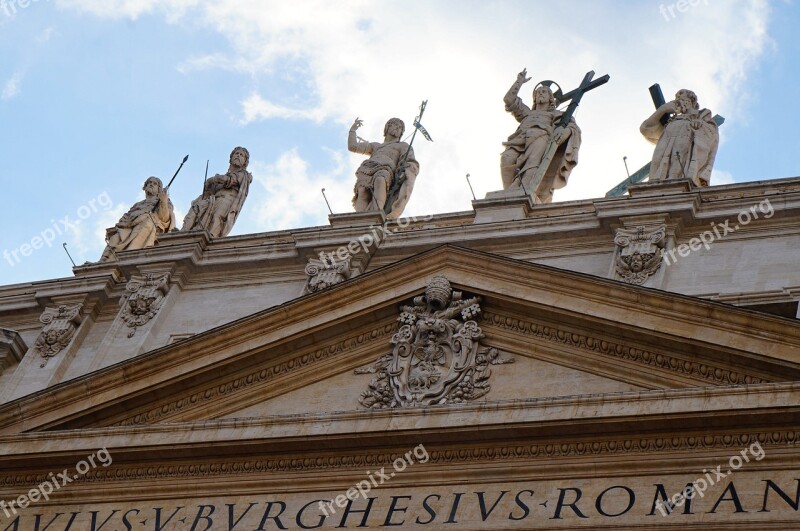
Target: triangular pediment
[[569, 335]]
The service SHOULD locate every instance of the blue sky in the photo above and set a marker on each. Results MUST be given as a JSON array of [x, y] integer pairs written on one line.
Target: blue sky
[[97, 95]]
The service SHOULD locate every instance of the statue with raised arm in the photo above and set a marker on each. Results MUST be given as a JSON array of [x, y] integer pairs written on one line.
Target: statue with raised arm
[[143, 223], [526, 148], [387, 161], [686, 143], [217, 208]]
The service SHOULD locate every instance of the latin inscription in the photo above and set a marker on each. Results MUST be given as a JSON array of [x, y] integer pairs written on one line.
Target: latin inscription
[[565, 506]]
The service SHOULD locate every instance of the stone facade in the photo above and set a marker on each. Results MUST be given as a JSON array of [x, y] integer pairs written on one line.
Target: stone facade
[[238, 403]]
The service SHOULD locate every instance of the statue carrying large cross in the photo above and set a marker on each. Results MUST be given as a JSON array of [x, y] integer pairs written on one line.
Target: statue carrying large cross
[[541, 153], [685, 149]]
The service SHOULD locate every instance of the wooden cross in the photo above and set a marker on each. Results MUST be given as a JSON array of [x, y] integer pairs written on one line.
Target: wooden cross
[[575, 96], [644, 172]]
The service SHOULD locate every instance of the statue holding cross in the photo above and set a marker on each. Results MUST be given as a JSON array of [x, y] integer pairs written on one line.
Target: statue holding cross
[[542, 152], [686, 138]]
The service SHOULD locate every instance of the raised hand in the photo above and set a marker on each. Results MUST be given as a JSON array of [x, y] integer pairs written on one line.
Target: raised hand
[[358, 123], [522, 76]]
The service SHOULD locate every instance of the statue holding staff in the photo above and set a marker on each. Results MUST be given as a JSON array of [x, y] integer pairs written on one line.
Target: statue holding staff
[[218, 207]]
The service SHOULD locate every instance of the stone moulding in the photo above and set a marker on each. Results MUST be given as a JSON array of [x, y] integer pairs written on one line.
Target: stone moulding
[[12, 348], [198, 399], [617, 446], [60, 324], [145, 295], [702, 371]]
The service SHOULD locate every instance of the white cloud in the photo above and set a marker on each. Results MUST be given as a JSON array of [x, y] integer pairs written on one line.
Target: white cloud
[[721, 177], [285, 193], [358, 58], [133, 9], [12, 87], [256, 108]]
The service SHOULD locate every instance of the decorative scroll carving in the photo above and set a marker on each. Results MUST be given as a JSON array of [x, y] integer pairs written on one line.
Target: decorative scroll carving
[[437, 357], [60, 325], [145, 297], [325, 272], [639, 253]]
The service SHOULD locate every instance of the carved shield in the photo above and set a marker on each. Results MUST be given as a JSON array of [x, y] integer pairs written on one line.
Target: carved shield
[[432, 357]]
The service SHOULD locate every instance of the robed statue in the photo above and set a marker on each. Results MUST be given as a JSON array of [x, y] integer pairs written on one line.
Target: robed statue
[[527, 148], [686, 142], [388, 161], [218, 207], [142, 223]]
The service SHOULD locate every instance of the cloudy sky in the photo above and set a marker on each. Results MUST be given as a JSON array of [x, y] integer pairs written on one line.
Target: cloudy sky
[[97, 95]]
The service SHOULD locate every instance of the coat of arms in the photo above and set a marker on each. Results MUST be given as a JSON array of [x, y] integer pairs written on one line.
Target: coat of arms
[[60, 325], [639, 253], [145, 297], [437, 356]]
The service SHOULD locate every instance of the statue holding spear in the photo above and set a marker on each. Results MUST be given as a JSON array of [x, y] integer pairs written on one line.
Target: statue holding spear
[[144, 221], [385, 180]]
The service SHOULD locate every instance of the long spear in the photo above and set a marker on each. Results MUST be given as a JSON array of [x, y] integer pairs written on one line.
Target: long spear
[[177, 171], [399, 177]]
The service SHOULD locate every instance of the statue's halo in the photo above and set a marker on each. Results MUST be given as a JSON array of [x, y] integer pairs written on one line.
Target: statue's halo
[[549, 84]]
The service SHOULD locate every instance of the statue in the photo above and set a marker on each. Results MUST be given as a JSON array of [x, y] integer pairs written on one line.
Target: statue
[[375, 176], [686, 143], [527, 147], [139, 227], [217, 208]]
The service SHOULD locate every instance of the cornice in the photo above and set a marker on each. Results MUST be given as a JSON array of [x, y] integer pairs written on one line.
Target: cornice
[[696, 372], [514, 455]]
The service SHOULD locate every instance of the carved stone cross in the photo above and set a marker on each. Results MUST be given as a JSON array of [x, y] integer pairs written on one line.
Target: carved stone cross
[[574, 97]]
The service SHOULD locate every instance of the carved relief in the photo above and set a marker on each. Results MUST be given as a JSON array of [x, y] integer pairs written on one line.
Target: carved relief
[[145, 297], [437, 356], [325, 272], [60, 325], [639, 253]]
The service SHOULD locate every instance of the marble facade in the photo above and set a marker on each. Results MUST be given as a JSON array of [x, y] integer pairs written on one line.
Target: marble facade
[[237, 402]]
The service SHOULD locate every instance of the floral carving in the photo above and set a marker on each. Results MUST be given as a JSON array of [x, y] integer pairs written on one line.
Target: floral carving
[[639, 253], [60, 325], [145, 297], [437, 356]]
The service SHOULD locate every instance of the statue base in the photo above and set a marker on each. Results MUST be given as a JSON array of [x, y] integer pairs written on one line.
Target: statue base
[[357, 219], [671, 187], [502, 205]]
